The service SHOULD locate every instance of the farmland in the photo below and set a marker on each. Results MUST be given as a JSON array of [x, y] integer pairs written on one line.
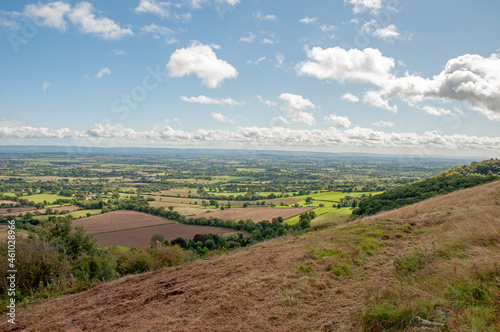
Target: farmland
[[255, 214], [119, 220], [141, 238]]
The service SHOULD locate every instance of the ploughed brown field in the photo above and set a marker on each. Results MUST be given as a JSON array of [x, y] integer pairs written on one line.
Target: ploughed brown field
[[16, 209], [256, 214], [119, 220], [140, 238]]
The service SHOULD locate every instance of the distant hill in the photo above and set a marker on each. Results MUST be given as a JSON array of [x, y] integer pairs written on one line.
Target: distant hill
[[430, 266], [456, 178]]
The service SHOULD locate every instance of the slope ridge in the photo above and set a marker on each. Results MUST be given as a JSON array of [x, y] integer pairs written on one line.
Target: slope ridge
[[322, 280]]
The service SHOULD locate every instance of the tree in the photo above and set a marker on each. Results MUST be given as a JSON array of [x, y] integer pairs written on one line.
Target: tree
[[157, 237], [309, 200]]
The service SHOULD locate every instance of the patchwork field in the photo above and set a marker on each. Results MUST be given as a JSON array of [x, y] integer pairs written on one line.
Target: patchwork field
[[256, 214], [15, 209], [140, 238], [119, 220]]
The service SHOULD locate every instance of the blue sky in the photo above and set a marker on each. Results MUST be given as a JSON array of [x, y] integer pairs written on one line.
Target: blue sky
[[379, 76]]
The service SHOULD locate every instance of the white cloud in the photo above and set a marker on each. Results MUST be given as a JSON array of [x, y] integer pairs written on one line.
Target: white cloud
[[201, 99], [82, 16], [153, 28], [266, 101], [296, 102], [383, 124], [102, 72], [471, 79], [159, 8], [50, 15], [360, 6], [120, 52], [349, 97], [308, 20], [366, 66], [437, 111], [45, 86], [268, 41], [327, 28], [230, 2], [293, 107], [338, 121], [388, 33], [6, 20], [219, 117], [375, 99], [280, 59], [249, 39], [261, 17], [355, 138], [256, 62], [201, 60]]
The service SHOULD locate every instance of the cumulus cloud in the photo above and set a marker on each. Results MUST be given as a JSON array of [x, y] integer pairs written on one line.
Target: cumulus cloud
[[219, 117], [249, 39], [437, 111], [280, 59], [366, 66], [159, 8], [383, 124], [256, 62], [375, 99], [153, 28], [349, 97], [338, 121], [308, 20], [294, 106], [230, 2], [207, 100], [45, 86], [374, 6], [266, 102], [268, 41], [102, 72], [261, 17], [471, 79], [387, 33], [82, 15], [357, 137], [201, 60], [50, 15]]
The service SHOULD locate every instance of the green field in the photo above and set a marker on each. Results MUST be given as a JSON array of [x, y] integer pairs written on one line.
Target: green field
[[324, 215], [38, 198], [83, 213]]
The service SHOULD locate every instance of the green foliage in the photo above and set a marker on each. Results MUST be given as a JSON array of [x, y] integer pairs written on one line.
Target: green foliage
[[454, 179]]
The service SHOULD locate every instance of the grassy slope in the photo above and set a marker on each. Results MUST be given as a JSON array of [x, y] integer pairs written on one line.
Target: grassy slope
[[341, 278]]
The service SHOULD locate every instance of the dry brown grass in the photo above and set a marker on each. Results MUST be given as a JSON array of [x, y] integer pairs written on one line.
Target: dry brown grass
[[318, 281]]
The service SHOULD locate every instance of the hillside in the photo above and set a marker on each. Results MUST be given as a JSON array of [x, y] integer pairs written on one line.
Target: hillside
[[448, 181], [433, 264]]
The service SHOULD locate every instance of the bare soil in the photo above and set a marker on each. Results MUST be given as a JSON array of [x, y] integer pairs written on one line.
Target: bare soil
[[140, 238], [119, 220]]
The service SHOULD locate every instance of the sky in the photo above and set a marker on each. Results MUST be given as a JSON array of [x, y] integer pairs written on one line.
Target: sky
[[375, 76]]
